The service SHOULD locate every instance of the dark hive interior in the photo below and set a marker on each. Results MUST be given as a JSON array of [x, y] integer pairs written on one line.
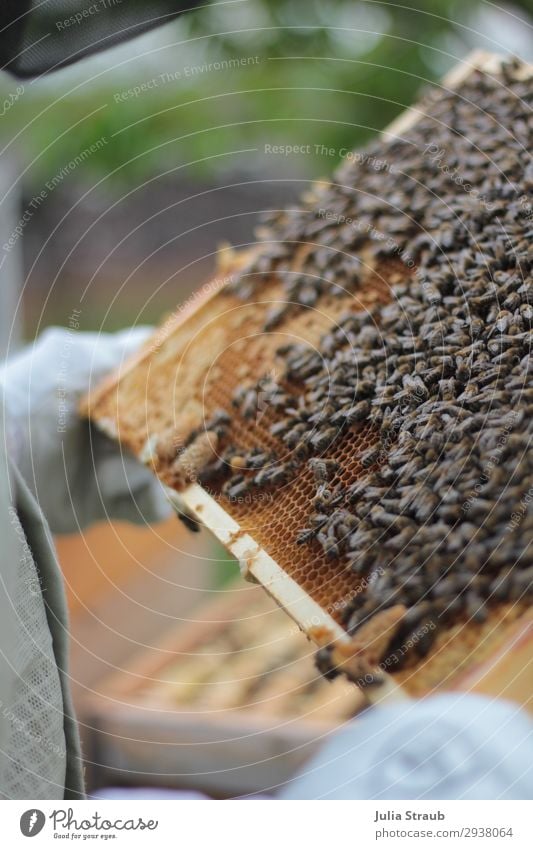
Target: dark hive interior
[[365, 379]]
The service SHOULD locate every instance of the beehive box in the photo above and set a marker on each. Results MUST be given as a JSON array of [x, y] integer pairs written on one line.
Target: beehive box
[[291, 289], [227, 703]]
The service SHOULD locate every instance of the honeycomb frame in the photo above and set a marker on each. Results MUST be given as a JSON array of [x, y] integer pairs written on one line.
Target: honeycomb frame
[[311, 589]]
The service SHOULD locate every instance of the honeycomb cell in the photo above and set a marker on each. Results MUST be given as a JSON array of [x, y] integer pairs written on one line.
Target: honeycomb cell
[[200, 372]]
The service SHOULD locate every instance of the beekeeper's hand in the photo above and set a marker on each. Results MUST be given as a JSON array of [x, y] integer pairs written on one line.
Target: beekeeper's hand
[[77, 474], [453, 746]]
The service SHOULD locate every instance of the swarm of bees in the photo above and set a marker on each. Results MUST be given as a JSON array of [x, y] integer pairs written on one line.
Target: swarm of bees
[[438, 516]]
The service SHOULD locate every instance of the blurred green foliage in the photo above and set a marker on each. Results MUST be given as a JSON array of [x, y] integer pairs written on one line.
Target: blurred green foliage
[[327, 73]]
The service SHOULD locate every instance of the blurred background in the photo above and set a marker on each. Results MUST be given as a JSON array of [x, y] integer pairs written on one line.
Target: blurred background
[[120, 178], [143, 185]]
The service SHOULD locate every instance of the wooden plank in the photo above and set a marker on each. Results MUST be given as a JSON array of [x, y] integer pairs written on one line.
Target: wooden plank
[[214, 744], [224, 755]]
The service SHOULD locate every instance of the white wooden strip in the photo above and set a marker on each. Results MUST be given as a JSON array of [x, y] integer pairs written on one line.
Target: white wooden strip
[[256, 563]]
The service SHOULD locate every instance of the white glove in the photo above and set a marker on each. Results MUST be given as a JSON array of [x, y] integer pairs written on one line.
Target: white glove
[[76, 473], [453, 746]]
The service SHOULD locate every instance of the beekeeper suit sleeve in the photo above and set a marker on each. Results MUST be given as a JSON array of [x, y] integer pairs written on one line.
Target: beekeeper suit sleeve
[[38, 36], [8, 568]]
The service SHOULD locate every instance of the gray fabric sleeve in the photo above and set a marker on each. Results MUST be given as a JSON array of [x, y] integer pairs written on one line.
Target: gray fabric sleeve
[[38, 36], [40, 542], [8, 571]]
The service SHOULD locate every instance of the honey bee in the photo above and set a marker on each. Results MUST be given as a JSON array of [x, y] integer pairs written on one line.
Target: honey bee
[[323, 469]]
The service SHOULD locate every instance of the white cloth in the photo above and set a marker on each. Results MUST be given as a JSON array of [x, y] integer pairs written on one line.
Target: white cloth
[[453, 746], [76, 473]]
